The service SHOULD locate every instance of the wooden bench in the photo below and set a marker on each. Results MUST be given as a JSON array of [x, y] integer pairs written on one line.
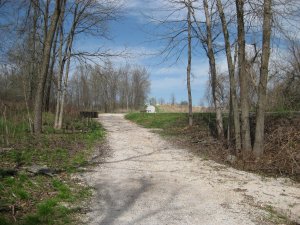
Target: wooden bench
[[89, 114]]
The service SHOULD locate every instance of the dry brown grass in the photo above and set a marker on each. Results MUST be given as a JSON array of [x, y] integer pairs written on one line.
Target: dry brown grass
[[180, 108], [282, 146]]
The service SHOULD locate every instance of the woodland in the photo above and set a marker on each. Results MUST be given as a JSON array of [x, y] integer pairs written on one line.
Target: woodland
[[46, 80]]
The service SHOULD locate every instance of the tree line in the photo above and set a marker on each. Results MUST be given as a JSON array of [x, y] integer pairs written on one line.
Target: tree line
[[107, 89]]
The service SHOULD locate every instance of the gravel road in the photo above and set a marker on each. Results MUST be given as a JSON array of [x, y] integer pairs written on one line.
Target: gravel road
[[147, 181]]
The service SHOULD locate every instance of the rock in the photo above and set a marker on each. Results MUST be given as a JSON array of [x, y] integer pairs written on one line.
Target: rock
[[36, 169], [231, 159]]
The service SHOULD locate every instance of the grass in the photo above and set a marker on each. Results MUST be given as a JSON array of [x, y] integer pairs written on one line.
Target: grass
[[158, 120], [30, 200], [276, 217], [173, 123], [58, 149]]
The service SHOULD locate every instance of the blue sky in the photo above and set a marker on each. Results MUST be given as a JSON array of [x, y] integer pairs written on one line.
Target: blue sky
[[140, 37], [134, 33]]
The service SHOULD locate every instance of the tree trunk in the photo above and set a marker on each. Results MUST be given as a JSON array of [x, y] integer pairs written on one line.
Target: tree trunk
[[262, 88], [235, 105], [45, 32], [50, 76], [62, 99], [60, 74], [243, 78], [62, 61], [68, 56], [38, 107], [233, 97], [213, 72], [47, 94], [46, 18], [188, 74], [33, 71], [65, 85]]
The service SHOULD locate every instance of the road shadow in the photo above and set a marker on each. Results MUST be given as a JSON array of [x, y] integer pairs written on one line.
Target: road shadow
[[114, 199]]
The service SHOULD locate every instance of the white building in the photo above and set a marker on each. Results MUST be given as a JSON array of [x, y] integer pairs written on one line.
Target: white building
[[150, 109]]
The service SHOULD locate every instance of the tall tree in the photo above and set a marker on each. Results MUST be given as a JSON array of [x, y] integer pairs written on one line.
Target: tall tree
[[67, 57], [61, 66], [234, 109], [177, 33], [189, 64], [88, 16], [213, 71], [262, 87], [33, 50], [243, 78], [48, 40], [173, 99]]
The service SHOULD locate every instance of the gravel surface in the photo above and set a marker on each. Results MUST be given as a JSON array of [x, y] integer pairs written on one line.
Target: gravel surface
[[146, 180]]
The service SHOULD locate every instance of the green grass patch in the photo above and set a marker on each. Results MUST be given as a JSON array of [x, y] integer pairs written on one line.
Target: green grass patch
[[58, 150], [49, 212], [173, 123], [42, 199], [159, 120]]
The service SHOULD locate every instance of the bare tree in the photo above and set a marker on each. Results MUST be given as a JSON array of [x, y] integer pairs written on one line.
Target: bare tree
[[231, 71], [189, 65], [38, 107], [213, 71], [173, 99], [243, 78], [178, 37], [103, 88], [61, 65], [262, 88], [140, 86], [124, 86], [67, 57], [90, 17]]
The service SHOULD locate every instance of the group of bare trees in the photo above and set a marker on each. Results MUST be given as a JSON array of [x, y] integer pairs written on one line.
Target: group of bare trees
[[285, 80], [242, 29], [38, 52], [107, 88]]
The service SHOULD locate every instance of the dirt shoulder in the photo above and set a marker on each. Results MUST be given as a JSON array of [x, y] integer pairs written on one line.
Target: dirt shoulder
[[147, 180]]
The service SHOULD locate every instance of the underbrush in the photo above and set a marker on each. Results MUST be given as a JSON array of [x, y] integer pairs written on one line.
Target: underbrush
[[282, 140], [32, 198], [282, 146]]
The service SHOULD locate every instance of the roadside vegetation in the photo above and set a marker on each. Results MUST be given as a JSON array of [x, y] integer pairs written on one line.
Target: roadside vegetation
[[281, 147], [36, 185]]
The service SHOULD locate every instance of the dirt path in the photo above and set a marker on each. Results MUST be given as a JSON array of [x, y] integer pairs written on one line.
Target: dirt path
[[148, 181]]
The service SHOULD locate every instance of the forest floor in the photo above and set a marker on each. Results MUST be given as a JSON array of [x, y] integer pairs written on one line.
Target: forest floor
[[148, 180]]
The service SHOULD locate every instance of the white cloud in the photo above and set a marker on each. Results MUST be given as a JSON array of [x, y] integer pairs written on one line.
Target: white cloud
[[154, 10]]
